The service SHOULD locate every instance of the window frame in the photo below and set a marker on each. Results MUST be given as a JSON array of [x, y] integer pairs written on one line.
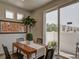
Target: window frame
[[12, 16], [44, 19], [20, 14]]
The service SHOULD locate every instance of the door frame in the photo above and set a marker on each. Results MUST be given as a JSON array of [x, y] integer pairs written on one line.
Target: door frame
[[44, 20]]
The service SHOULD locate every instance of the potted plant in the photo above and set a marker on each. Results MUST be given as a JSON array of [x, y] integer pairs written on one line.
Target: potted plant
[[29, 22], [30, 36], [52, 44]]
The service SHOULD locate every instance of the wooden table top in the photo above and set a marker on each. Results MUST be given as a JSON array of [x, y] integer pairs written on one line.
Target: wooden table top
[[23, 47]]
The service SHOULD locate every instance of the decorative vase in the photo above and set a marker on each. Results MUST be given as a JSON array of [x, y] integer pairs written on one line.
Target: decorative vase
[[29, 42]]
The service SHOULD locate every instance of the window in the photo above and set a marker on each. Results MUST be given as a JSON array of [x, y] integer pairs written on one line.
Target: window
[[9, 14], [19, 16], [51, 26], [67, 33]]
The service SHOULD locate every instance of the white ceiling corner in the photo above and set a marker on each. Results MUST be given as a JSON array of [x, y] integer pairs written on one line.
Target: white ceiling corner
[[27, 4]]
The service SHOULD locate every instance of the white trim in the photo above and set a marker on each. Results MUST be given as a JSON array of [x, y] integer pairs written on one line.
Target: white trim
[[8, 16], [44, 27], [44, 22], [58, 30]]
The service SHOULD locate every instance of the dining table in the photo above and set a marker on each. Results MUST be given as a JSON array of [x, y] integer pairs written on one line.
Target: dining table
[[32, 50]]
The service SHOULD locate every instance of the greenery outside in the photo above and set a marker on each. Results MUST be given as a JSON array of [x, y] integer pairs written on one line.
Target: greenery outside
[[52, 44], [51, 27]]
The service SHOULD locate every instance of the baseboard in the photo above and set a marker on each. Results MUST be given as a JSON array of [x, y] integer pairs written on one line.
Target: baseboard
[[66, 55]]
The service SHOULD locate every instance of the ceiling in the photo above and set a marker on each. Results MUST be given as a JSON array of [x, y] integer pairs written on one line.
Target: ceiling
[[27, 4]]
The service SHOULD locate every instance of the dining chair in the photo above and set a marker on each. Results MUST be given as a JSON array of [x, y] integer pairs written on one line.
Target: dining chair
[[39, 40], [19, 39], [12, 56], [77, 49], [49, 54]]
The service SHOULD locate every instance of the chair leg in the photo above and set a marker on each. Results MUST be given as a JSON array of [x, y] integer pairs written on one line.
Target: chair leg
[[17, 50], [42, 57], [76, 51]]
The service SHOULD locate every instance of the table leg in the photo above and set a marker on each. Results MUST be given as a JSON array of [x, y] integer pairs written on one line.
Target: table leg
[[28, 56], [35, 55], [12, 48], [76, 52]]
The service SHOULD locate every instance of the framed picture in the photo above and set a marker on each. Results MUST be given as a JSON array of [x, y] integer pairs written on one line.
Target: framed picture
[[11, 27]]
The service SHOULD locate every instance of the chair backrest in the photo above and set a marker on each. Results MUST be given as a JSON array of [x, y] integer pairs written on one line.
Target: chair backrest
[[7, 55], [39, 40], [19, 39], [49, 54]]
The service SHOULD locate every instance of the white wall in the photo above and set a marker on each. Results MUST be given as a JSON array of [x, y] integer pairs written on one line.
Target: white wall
[[4, 7], [8, 39]]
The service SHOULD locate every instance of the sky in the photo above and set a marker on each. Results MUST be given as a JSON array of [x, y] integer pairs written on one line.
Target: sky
[[51, 17], [67, 14]]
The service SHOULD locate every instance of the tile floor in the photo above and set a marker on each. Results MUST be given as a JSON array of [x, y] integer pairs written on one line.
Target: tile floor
[[55, 57]]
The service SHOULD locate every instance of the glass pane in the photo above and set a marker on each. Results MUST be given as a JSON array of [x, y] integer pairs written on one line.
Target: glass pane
[[69, 20], [52, 29], [19, 16], [9, 14], [51, 26]]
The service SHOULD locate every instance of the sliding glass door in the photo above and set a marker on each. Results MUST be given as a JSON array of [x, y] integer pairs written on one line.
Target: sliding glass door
[[51, 26], [62, 26], [69, 25]]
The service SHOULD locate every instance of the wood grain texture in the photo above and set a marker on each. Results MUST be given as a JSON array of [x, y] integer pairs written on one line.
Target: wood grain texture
[[24, 48]]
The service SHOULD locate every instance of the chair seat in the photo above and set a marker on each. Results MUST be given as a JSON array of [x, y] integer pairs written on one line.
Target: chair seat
[[42, 57], [49, 54], [14, 57], [17, 56]]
